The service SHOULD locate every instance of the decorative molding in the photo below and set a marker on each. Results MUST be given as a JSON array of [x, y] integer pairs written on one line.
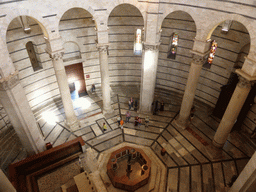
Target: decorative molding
[[56, 56], [9, 82], [151, 47], [102, 48], [244, 83]]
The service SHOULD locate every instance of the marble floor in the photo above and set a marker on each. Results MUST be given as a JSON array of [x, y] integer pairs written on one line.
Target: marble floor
[[190, 165]]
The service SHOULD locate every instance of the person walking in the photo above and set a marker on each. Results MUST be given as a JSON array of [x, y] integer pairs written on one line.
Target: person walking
[[122, 124], [128, 116], [104, 127]]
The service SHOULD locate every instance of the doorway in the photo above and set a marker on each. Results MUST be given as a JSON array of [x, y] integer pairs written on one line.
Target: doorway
[[76, 80]]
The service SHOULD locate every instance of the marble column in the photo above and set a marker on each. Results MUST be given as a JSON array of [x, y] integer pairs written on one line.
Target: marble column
[[229, 118], [71, 119], [5, 184], [15, 103], [246, 181], [103, 57], [189, 95], [148, 78]]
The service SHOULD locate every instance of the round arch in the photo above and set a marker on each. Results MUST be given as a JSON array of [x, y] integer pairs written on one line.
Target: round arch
[[44, 25], [137, 5]]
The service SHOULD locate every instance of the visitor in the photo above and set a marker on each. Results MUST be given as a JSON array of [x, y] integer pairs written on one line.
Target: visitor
[[93, 88], [135, 105], [192, 113], [118, 120], [146, 121], [122, 123], [139, 121], [128, 116], [104, 127], [136, 121], [131, 102], [162, 106]]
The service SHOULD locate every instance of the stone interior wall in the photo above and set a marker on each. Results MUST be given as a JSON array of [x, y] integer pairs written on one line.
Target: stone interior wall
[[172, 74], [77, 26], [40, 86], [124, 66]]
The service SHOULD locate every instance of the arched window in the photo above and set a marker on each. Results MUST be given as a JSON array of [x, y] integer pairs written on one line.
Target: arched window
[[34, 59]]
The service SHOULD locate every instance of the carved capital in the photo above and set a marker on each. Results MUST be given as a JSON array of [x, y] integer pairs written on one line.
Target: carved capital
[[57, 55], [9, 82], [151, 47], [102, 48], [198, 59], [244, 83]]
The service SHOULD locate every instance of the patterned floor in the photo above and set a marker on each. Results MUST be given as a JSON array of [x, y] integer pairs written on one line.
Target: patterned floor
[[190, 166]]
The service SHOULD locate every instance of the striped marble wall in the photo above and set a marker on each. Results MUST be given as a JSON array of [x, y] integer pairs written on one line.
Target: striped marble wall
[[172, 74], [124, 66]]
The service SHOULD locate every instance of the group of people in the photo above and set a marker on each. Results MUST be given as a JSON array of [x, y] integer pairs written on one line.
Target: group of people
[[156, 107]]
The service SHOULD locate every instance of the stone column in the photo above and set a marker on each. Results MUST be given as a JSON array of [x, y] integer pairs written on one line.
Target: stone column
[[5, 184], [15, 103], [235, 104], [148, 77], [246, 181], [71, 119], [103, 49], [189, 95]]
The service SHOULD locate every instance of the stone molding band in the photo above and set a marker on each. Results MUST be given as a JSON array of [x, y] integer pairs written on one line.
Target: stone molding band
[[9, 82]]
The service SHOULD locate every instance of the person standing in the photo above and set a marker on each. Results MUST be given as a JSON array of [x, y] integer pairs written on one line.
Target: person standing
[[135, 105], [136, 121], [93, 88], [128, 116], [122, 124], [118, 120], [104, 127], [162, 106], [131, 102], [139, 121], [146, 121]]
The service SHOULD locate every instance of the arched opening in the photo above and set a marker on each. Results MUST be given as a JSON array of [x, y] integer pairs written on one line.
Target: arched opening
[[220, 80], [38, 80], [124, 66], [33, 56], [77, 29], [172, 73]]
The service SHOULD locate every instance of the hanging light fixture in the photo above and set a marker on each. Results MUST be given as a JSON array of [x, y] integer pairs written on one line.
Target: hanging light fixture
[[226, 26], [208, 63], [172, 49], [137, 50]]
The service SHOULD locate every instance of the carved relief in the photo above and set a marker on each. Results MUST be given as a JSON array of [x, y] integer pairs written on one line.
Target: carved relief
[[198, 60], [9, 82], [56, 56], [244, 83], [102, 48]]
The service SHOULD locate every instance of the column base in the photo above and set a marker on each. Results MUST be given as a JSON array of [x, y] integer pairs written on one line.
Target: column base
[[108, 111], [182, 124], [214, 152], [73, 126], [218, 145]]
